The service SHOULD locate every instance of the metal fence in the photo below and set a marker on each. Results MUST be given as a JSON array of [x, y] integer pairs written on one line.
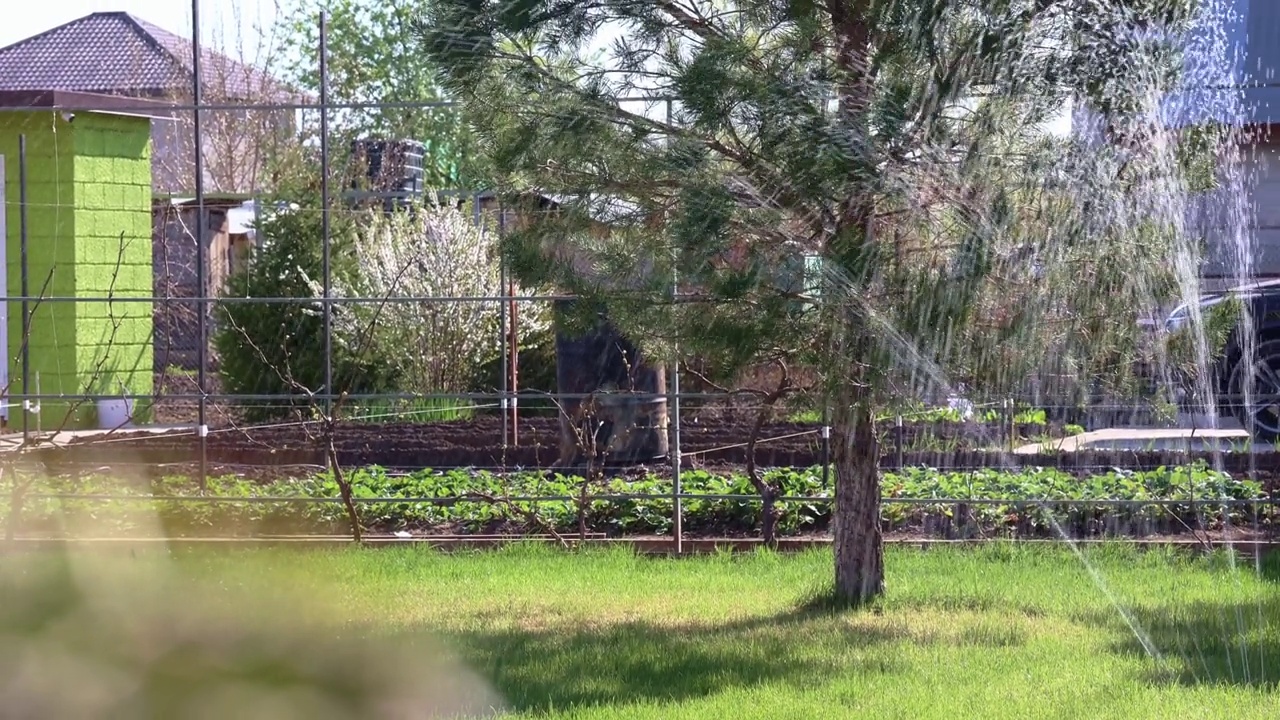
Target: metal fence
[[122, 290]]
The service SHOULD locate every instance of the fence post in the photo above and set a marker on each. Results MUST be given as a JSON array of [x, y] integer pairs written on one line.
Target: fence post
[[899, 440], [826, 443], [1012, 422], [326, 245], [15, 487], [514, 364], [677, 485], [202, 271], [26, 306], [502, 335]]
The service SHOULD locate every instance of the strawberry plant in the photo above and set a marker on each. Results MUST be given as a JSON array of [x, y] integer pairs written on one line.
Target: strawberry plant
[[1038, 501]]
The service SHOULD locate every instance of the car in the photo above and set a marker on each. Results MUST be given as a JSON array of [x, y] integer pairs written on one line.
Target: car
[[1245, 376]]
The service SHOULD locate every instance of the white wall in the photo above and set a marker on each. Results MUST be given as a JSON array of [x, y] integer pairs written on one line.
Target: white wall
[[1240, 221]]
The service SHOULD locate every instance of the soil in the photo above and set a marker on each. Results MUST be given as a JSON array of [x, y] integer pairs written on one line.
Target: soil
[[930, 530], [713, 441], [169, 409], [293, 449], [478, 444]]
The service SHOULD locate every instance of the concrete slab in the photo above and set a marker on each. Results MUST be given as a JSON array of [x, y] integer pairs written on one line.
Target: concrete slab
[[10, 442], [1151, 440], [1229, 437]]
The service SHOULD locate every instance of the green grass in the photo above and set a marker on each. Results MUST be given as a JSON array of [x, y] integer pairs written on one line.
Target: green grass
[[921, 414], [999, 632], [422, 410]]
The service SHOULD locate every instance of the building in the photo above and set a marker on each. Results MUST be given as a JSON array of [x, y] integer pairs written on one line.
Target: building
[[1230, 79], [83, 235], [116, 54]]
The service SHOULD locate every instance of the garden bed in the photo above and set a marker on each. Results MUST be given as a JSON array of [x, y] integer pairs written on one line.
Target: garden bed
[[478, 443], [922, 502]]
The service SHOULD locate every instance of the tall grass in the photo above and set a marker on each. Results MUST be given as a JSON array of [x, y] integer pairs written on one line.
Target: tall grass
[[421, 410]]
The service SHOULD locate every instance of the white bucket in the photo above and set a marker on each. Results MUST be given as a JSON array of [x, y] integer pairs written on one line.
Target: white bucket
[[115, 413]]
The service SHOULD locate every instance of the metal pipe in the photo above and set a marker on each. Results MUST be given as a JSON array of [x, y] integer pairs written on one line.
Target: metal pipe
[[514, 349], [325, 241], [622, 497], [826, 442], [673, 400], [23, 242], [202, 271], [899, 441], [159, 108], [677, 484], [504, 380], [528, 394], [228, 300]]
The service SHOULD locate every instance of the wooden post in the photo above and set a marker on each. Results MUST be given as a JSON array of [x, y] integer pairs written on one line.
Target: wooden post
[[513, 347]]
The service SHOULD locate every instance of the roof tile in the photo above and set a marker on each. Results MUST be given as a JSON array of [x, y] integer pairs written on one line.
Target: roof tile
[[117, 53]]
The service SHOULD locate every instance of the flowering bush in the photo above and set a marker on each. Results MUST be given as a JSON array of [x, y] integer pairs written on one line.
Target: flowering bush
[[420, 267], [277, 348]]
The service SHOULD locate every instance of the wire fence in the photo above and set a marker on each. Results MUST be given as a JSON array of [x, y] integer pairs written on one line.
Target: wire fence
[[185, 350]]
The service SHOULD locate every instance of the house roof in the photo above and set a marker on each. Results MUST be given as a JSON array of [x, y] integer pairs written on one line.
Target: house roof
[[118, 53], [71, 101]]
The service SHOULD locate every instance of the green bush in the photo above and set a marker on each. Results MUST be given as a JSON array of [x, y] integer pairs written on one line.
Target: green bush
[[277, 348], [536, 365]]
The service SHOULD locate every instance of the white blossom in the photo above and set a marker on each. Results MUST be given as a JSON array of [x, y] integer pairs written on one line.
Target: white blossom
[[421, 265]]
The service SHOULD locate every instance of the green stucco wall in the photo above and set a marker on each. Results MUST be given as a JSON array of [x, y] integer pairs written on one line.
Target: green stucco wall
[[89, 237]]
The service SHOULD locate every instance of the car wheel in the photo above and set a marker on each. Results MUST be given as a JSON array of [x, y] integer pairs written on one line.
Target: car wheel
[[1260, 379]]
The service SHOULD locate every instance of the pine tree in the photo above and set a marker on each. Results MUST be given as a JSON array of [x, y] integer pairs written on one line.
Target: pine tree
[[900, 142]]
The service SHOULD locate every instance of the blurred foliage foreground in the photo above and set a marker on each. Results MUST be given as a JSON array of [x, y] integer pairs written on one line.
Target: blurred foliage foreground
[[129, 636]]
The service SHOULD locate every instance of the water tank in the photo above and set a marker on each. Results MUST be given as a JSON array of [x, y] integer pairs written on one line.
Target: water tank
[[625, 419], [390, 167], [800, 273]]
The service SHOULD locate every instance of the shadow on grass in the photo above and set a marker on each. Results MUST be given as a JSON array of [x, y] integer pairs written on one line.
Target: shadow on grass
[[541, 668], [1269, 566], [1209, 643], [638, 661]]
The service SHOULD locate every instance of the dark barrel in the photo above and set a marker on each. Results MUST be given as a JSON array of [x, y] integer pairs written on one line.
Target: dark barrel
[[625, 419]]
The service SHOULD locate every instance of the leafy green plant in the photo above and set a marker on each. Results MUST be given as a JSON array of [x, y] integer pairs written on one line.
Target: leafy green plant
[[408, 410], [1031, 416], [921, 414], [1029, 501]]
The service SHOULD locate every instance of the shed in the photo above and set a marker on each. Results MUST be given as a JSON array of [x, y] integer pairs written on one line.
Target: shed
[[88, 250], [226, 233]]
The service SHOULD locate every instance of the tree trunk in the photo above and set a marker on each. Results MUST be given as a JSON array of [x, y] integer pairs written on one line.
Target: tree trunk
[[345, 492], [768, 494], [769, 518], [859, 543]]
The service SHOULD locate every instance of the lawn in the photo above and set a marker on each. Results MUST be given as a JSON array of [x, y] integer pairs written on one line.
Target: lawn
[[1002, 631]]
